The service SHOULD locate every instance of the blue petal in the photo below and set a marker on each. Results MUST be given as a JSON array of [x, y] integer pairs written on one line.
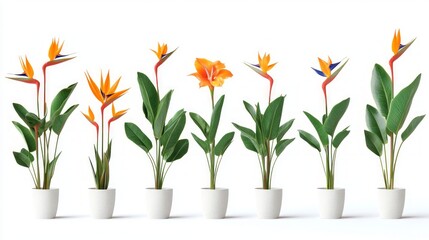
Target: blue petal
[[319, 72], [401, 46], [256, 65], [59, 56], [21, 75], [333, 65]]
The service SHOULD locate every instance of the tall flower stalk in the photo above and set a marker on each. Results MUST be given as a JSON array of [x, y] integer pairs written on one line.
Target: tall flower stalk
[[42, 130], [386, 120], [168, 146], [267, 140], [212, 74], [325, 128], [106, 94]]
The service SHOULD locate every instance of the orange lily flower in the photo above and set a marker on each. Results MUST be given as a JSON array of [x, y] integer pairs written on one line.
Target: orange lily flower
[[91, 118], [106, 94], [27, 75], [262, 69], [210, 74], [162, 57], [398, 49], [116, 115]]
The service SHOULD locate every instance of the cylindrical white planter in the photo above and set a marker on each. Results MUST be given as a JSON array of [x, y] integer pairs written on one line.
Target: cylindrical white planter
[[214, 202], [268, 202], [45, 202], [391, 202], [101, 202], [158, 202], [331, 202]]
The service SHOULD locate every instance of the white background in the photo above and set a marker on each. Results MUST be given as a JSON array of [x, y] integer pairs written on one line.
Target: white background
[[117, 35]]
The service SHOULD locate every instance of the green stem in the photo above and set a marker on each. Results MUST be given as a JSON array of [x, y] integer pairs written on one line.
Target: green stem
[[384, 174], [158, 182], [212, 167], [268, 167]]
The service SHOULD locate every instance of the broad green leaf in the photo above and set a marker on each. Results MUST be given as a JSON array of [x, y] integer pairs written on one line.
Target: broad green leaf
[[150, 96], [33, 119], [411, 127], [214, 121], [22, 159], [180, 149], [28, 136], [320, 129], [381, 88], [284, 128], [249, 143], [373, 143], [135, 134], [335, 116], [200, 122], [338, 139], [60, 121], [174, 119], [401, 105], [161, 115], [310, 139], [28, 154], [51, 167], [60, 100], [21, 111], [224, 143], [247, 132], [281, 146], [250, 109], [203, 144], [376, 123], [272, 117], [170, 137]]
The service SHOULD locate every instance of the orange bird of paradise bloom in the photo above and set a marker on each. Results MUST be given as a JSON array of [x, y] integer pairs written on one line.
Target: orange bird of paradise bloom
[[27, 75], [398, 49], [162, 55], [325, 71], [262, 69]]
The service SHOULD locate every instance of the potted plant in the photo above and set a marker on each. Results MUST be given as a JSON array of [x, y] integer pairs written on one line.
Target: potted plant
[[331, 199], [41, 131], [212, 74], [267, 141], [166, 134], [102, 198], [385, 122]]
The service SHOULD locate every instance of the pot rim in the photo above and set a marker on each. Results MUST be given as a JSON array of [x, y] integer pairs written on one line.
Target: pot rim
[[394, 189], [335, 189], [162, 189], [219, 189], [102, 190], [271, 189], [47, 190]]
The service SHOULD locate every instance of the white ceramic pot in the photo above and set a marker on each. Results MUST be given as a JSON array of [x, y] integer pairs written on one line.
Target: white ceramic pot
[[331, 202], [102, 202], [268, 202], [214, 202], [391, 202], [45, 202], [158, 202]]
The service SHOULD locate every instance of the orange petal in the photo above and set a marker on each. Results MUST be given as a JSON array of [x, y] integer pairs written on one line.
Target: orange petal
[[113, 109], [115, 85], [30, 71], [396, 41], [91, 114], [112, 98], [106, 86], [52, 50], [324, 67], [202, 66], [224, 73], [94, 88], [271, 66]]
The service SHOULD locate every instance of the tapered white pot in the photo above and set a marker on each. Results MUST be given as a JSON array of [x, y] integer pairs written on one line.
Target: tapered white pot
[[214, 202], [158, 202], [391, 202], [268, 202], [45, 202], [331, 202], [102, 202]]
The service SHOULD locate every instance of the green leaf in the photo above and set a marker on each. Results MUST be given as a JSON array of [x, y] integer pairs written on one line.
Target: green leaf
[[150, 96], [411, 127], [249, 143], [200, 122], [224, 143], [60, 100], [51, 167], [180, 149], [281, 146], [338, 139], [310, 139], [401, 105], [381, 88], [161, 115], [272, 117], [284, 128], [172, 134], [32, 119], [22, 159], [376, 123], [373, 143], [203, 144], [136, 135], [21, 111], [214, 121], [320, 129], [28, 136], [335, 116], [250, 109], [247, 132], [60, 121]]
